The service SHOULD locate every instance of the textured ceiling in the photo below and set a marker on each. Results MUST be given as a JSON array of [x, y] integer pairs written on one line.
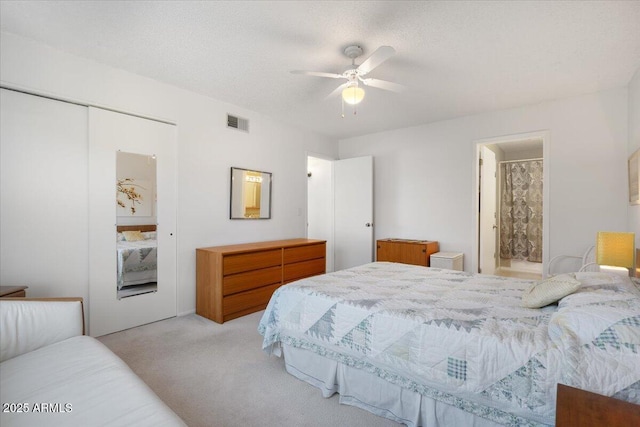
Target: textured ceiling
[[456, 58]]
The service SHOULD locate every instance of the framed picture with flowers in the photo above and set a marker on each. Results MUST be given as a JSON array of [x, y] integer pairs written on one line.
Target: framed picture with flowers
[[133, 197]]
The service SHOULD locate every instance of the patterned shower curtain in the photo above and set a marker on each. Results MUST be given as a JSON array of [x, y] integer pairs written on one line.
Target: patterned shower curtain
[[521, 210]]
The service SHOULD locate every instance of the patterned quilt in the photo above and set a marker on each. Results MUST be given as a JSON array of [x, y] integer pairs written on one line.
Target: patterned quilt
[[463, 338], [137, 262]]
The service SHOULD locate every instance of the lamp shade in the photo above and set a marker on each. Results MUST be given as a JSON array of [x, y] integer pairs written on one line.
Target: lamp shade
[[353, 95], [615, 249]]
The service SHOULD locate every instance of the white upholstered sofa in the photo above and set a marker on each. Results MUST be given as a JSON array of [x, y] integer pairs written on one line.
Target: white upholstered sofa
[[51, 374]]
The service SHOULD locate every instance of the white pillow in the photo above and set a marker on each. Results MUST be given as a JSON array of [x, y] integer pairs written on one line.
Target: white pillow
[[550, 290], [149, 235], [133, 236]]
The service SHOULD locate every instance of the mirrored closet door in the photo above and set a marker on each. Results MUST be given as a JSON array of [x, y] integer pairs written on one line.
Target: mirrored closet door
[[132, 221]]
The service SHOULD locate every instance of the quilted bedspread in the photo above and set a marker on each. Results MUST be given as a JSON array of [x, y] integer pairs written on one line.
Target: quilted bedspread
[[137, 262], [463, 338]]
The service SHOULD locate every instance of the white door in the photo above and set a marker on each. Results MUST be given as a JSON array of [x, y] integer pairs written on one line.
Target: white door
[[488, 214], [320, 203], [110, 132], [44, 218], [353, 212]]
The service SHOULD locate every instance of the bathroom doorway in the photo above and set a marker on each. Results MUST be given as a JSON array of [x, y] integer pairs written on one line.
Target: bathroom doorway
[[512, 209]]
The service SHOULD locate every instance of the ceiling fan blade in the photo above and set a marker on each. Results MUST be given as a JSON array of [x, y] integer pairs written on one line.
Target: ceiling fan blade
[[378, 57], [383, 84], [337, 90], [318, 74]]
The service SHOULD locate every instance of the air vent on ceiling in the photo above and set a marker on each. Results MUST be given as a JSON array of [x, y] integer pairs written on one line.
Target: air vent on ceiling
[[237, 123]]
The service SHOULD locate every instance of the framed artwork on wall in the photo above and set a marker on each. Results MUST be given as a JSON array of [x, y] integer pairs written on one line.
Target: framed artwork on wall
[[634, 178]]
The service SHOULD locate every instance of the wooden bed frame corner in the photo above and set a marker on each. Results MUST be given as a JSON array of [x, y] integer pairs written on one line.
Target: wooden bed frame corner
[[582, 408]]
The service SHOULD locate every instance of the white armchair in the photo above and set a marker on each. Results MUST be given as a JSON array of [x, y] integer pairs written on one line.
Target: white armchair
[[51, 374], [29, 324]]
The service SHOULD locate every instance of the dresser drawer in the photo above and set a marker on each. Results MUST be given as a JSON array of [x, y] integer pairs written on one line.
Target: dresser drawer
[[238, 263], [302, 269], [249, 299], [251, 280], [303, 253]]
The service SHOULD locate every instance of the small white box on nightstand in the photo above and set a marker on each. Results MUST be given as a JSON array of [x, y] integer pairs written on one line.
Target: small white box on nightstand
[[448, 260]]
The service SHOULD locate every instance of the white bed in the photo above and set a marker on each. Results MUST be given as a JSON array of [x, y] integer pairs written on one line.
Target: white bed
[[425, 346], [137, 260]]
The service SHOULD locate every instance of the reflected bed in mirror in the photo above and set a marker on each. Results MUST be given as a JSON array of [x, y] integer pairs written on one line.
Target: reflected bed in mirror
[[250, 194], [137, 251], [136, 241]]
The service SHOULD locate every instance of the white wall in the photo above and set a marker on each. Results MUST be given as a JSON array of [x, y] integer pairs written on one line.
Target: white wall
[[206, 148], [424, 175], [634, 144]]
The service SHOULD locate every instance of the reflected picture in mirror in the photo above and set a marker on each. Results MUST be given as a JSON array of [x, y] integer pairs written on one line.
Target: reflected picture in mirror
[[250, 194], [136, 234]]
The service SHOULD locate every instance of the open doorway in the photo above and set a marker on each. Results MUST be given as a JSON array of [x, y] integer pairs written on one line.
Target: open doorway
[[512, 208], [320, 203]]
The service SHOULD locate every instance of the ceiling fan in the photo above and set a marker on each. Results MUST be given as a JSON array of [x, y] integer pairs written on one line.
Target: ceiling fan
[[351, 91]]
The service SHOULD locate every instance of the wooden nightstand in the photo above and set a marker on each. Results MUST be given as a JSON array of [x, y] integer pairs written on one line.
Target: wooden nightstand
[[406, 251], [583, 408], [13, 291]]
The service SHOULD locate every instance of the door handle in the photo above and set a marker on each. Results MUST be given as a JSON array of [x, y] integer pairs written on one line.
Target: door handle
[[369, 224], [495, 226]]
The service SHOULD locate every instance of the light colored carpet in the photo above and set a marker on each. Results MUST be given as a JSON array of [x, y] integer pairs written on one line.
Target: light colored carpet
[[218, 376]]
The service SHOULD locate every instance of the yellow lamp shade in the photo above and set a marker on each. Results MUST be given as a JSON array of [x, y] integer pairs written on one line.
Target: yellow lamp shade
[[353, 95], [615, 249]]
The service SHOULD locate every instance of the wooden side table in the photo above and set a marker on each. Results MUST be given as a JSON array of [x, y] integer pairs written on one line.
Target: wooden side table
[[583, 408], [406, 251], [13, 291]]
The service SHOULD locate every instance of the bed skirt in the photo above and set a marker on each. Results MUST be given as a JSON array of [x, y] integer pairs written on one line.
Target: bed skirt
[[371, 393]]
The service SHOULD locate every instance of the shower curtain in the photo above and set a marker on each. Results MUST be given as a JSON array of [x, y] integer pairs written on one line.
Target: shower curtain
[[521, 210]]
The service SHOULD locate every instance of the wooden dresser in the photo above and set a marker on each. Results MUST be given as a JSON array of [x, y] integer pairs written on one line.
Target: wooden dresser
[[406, 251], [235, 280]]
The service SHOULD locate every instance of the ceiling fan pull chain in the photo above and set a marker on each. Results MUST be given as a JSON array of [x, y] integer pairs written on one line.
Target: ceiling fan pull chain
[[342, 101]]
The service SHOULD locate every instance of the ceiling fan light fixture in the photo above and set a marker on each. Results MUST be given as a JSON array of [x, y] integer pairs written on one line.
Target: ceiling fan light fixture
[[353, 95]]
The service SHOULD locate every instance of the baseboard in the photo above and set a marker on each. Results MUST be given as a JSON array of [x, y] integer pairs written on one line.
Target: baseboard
[[186, 313]]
